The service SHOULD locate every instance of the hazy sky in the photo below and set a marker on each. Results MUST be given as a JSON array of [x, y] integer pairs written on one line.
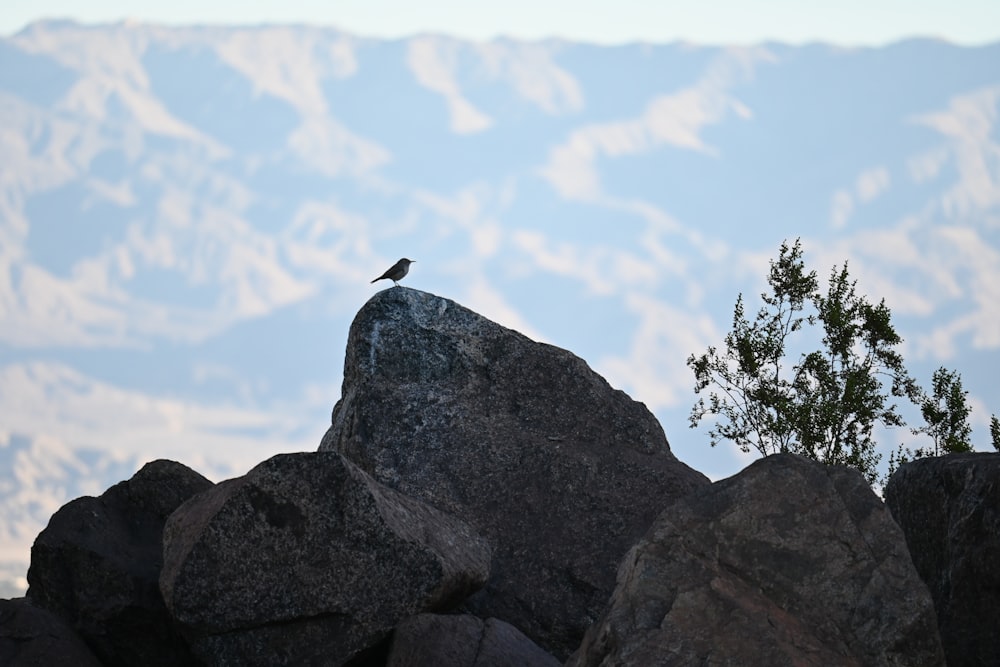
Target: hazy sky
[[847, 22]]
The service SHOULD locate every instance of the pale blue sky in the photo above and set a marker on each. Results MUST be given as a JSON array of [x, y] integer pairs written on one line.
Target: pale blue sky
[[847, 22]]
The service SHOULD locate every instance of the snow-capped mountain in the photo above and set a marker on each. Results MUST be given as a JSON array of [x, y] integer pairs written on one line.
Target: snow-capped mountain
[[190, 218]]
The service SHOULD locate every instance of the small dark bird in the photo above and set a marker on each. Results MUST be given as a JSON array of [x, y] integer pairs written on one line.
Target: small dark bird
[[397, 271]]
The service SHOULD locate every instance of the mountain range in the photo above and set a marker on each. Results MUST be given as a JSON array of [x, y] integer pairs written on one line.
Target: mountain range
[[190, 218]]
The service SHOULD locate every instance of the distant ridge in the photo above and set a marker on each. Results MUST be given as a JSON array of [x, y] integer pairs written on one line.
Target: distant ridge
[[189, 218]]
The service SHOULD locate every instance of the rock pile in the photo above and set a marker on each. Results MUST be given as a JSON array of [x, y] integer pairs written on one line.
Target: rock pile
[[469, 507]]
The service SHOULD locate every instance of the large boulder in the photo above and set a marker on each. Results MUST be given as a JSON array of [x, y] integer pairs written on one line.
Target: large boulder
[[35, 637], [307, 560], [97, 566], [560, 471], [790, 562], [949, 509], [463, 640]]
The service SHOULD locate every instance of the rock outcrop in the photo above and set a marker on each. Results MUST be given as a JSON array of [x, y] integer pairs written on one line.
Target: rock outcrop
[[463, 641], [790, 562], [523, 440], [306, 560], [949, 509], [35, 637], [97, 566], [469, 507]]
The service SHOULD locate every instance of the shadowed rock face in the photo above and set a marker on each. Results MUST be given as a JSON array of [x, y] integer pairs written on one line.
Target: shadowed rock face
[[523, 440], [949, 509], [790, 562], [307, 560], [35, 637], [97, 566]]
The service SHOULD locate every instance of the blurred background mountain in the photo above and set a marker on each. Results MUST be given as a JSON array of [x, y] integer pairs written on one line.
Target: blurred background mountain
[[190, 217]]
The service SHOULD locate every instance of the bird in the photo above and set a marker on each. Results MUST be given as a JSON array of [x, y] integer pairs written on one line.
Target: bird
[[397, 271]]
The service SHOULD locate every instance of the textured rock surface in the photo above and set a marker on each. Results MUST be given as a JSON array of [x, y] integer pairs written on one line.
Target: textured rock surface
[[97, 566], [307, 560], [949, 509], [558, 470], [35, 637], [463, 641], [789, 562]]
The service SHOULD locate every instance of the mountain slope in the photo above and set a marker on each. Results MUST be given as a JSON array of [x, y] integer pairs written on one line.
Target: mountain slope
[[189, 218]]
